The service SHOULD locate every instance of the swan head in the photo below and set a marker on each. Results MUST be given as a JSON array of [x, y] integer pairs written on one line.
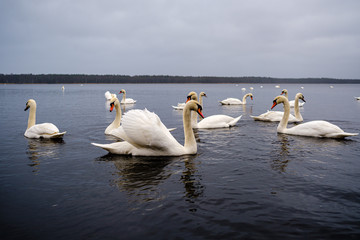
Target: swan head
[[30, 103], [194, 106], [284, 91], [202, 94], [191, 96], [250, 95], [122, 91], [278, 100], [300, 96], [113, 102]]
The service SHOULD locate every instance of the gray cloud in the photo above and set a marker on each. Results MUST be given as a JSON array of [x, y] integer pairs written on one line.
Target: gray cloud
[[300, 38]]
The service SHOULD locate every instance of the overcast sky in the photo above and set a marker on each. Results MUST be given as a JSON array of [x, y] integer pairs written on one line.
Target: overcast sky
[[270, 38]]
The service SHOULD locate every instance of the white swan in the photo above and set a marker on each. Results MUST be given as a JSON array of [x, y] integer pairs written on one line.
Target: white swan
[[125, 100], [180, 106], [276, 116], [214, 121], [292, 102], [111, 129], [43, 130], [108, 97], [235, 101], [317, 128], [146, 135]]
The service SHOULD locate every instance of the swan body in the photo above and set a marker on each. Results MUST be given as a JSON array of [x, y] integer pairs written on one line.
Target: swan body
[[43, 130], [125, 100], [217, 121], [276, 116], [235, 101], [291, 102], [214, 121], [145, 135], [319, 128]]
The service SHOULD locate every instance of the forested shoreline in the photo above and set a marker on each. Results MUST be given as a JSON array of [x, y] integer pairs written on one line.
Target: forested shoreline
[[99, 79]]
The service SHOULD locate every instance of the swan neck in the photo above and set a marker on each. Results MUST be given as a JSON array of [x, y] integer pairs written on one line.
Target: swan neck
[[297, 109], [244, 98], [287, 95], [190, 142], [201, 100], [284, 121], [117, 119], [32, 116]]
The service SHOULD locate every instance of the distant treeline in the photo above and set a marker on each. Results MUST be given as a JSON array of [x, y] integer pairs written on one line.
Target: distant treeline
[[83, 78]]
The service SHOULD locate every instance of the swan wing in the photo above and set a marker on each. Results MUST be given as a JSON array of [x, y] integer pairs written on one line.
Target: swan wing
[[118, 132], [218, 121], [144, 129], [43, 130]]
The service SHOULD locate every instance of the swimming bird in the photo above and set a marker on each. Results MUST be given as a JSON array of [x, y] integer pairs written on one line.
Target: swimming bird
[[42, 130], [276, 116], [235, 101], [125, 100], [319, 128], [145, 135], [111, 129], [180, 106], [292, 102]]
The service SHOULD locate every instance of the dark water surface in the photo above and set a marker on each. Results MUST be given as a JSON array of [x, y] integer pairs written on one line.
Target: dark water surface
[[245, 182]]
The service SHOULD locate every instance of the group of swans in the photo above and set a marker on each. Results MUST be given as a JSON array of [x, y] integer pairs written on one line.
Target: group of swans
[[228, 101], [145, 135], [214, 121], [317, 128], [276, 116], [292, 102]]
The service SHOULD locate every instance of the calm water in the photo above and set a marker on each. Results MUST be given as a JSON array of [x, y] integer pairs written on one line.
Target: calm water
[[245, 182]]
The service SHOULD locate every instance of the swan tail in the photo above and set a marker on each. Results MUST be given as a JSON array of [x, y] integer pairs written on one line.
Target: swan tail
[[122, 148], [342, 135], [107, 147], [257, 118], [233, 122], [58, 135], [178, 108]]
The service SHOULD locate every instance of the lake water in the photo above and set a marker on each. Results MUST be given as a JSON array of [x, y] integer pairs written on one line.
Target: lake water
[[245, 182]]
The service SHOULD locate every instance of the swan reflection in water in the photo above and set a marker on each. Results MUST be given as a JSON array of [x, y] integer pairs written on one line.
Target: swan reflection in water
[[142, 178], [42, 149], [280, 153], [291, 148], [237, 109]]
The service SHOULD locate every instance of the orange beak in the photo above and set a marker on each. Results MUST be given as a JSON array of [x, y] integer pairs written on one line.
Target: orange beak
[[251, 97], [112, 107], [188, 99], [200, 113], [274, 105]]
